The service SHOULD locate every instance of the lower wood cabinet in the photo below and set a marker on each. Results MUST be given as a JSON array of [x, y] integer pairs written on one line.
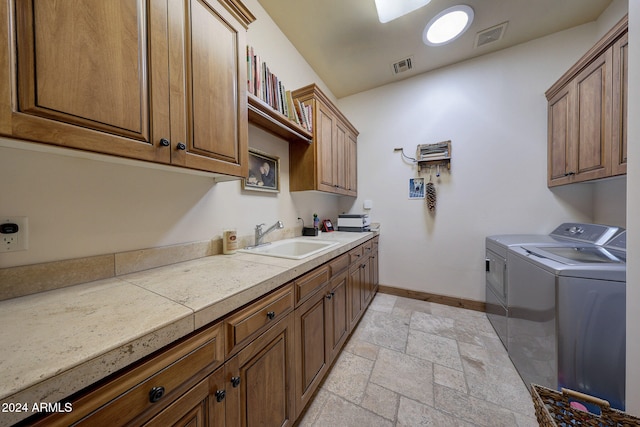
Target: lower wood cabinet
[[259, 366], [149, 387], [338, 314], [200, 406], [312, 338], [260, 380]]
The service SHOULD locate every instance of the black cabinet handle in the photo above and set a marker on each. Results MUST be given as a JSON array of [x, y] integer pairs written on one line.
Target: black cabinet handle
[[164, 142], [569, 173], [181, 146], [271, 315], [156, 394], [235, 381], [329, 296], [220, 395]]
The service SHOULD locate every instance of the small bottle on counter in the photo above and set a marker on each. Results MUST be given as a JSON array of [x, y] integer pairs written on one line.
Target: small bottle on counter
[[316, 221], [229, 242]]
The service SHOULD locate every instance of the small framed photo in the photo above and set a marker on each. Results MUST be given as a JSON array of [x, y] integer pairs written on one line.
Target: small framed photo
[[264, 172], [416, 188], [327, 226]]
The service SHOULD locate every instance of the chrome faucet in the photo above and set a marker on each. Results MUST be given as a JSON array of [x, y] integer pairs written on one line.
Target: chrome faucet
[[260, 234]]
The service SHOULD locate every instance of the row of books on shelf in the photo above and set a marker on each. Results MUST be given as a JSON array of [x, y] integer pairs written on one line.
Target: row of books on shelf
[[266, 86]]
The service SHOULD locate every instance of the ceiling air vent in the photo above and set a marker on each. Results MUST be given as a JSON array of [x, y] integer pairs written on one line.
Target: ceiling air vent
[[490, 35], [402, 65]]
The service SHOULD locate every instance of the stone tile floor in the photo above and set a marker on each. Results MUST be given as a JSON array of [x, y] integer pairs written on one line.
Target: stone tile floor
[[415, 363]]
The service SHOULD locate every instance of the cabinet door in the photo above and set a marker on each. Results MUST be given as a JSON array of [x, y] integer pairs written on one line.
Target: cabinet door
[[325, 138], [375, 270], [208, 93], [560, 150], [203, 405], [263, 395], [340, 157], [593, 119], [367, 284], [311, 338], [337, 315], [354, 294], [83, 71], [619, 107], [352, 165]]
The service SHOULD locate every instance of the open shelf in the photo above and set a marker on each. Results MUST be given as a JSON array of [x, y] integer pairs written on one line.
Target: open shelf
[[262, 115]]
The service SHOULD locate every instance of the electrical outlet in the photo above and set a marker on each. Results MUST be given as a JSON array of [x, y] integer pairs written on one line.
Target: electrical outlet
[[14, 234]]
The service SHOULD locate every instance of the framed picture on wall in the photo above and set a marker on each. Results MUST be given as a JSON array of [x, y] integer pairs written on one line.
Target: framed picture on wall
[[264, 172], [416, 188]]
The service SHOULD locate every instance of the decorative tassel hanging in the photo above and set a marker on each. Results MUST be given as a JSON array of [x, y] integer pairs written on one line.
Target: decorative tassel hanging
[[431, 196]]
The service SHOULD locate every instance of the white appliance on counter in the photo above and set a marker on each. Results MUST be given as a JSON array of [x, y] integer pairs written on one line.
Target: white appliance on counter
[[354, 222]]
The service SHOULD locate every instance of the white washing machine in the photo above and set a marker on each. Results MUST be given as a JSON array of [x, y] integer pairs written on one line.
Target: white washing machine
[[567, 317], [497, 263]]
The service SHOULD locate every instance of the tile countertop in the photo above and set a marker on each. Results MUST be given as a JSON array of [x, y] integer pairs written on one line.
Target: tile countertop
[[57, 342]]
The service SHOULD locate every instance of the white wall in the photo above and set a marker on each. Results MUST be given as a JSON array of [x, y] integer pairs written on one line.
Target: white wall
[[79, 207], [633, 215], [610, 202], [494, 111]]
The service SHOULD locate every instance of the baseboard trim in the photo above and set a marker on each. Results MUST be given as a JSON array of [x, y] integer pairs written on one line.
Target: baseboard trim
[[439, 299]]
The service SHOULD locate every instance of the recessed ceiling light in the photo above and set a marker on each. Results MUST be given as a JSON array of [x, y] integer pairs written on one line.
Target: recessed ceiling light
[[388, 10], [448, 25]]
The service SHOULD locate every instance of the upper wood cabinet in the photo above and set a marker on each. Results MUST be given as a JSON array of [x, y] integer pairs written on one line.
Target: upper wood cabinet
[[145, 79], [620, 102], [329, 163], [587, 114]]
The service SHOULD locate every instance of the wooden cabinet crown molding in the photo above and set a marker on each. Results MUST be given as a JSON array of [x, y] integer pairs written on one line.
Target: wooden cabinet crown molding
[[240, 11], [313, 91], [603, 44]]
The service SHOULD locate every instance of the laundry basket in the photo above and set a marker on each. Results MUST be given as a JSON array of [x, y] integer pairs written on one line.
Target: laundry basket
[[553, 408]]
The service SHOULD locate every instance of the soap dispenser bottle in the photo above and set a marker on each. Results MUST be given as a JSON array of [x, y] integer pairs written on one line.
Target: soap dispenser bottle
[[316, 221]]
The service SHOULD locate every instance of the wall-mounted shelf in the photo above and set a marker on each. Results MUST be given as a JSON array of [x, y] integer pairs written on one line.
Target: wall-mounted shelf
[[428, 155], [262, 115]]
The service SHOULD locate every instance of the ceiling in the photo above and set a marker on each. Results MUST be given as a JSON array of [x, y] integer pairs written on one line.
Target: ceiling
[[352, 51]]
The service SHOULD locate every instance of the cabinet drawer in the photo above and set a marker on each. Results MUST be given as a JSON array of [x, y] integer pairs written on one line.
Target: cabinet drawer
[[128, 396], [367, 248], [250, 321], [355, 255], [309, 284], [338, 264]]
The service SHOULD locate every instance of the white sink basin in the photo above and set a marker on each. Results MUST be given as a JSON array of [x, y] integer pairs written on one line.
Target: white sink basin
[[297, 248]]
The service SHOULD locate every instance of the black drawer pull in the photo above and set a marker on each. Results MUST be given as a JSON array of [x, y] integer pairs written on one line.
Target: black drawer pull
[[156, 394], [271, 315], [220, 395], [235, 381]]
